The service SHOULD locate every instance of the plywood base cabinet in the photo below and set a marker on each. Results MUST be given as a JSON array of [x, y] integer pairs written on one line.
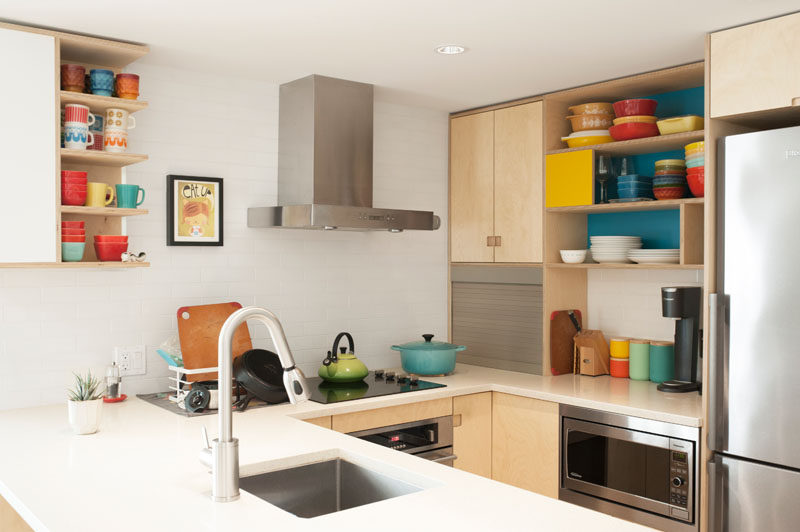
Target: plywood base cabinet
[[525, 443], [324, 421], [10, 521], [391, 415], [472, 433]]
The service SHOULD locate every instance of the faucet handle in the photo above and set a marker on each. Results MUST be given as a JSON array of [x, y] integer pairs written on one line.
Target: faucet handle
[[204, 438]]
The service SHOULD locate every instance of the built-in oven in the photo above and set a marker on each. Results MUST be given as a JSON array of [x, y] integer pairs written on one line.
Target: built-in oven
[[638, 469], [431, 439]]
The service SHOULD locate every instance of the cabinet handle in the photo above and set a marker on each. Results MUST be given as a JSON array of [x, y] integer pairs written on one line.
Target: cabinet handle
[[490, 241], [796, 101], [456, 420], [498, 241]]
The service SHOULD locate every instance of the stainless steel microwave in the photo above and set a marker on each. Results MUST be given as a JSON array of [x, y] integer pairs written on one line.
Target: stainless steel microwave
[[638, 469]]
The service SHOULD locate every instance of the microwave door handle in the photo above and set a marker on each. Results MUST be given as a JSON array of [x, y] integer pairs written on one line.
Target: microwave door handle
[[717, 368]]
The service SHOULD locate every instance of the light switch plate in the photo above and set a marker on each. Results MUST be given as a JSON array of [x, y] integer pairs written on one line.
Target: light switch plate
[[131, 360]]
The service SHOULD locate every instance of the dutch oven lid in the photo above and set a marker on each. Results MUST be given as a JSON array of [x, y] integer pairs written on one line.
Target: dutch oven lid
[[429, 345]]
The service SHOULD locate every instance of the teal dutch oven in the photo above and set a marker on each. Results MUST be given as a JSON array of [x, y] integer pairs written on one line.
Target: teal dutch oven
[[428, 357]]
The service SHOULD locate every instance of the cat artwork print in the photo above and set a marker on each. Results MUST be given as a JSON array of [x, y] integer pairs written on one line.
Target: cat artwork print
[[195, 205]]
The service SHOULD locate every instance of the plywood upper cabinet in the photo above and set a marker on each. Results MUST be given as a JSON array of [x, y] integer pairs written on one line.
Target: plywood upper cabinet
[[472, 433], [755, 67], [525, 443], [471, 187], [518, 183], [496, 185], [29, 140]]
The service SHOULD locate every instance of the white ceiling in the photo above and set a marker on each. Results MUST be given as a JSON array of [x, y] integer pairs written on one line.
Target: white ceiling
[[516, 48]]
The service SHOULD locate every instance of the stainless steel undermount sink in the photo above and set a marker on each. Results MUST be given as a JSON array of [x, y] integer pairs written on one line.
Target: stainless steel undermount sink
[[325, 487]]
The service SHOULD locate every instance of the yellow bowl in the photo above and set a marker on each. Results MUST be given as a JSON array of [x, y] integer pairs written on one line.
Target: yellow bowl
[[701, 145], [647, 119], [579, 142], [680, 124]]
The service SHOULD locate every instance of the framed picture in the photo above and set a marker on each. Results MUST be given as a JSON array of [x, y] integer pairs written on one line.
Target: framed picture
[[194, 211]]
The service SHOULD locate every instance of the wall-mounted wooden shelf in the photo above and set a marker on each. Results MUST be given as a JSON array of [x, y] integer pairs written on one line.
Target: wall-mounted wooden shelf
[[61, 265], [659, 143], [98, 104], [101, 158], [657, 205], [629, 266], [101, 211]]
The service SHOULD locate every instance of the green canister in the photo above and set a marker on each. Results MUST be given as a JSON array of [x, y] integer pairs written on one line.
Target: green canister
[[662, 361], [639, 354]]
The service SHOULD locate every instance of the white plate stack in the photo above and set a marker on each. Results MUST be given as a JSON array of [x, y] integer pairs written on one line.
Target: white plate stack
[[655, 256], [613, 248]]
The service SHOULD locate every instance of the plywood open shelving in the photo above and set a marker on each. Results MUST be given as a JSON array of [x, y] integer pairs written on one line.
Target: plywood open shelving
[[633, 206], [82, 264], [101, 211], [627, 266], [98, 104], [676, 141], [100, 158]]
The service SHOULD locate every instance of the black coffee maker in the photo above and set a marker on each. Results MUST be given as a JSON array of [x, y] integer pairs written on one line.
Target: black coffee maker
[[683, 302]]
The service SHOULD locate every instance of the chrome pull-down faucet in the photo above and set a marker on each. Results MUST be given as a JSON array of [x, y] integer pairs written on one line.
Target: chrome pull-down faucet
[[222, 455]]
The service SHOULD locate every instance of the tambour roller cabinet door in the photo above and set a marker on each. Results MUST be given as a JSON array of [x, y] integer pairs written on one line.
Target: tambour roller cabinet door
[[28, 141], [471, 187], [760, 189]]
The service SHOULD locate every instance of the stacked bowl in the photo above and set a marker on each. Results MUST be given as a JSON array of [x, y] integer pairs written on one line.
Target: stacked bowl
[[634, 187], [110, 247], [73, 187], [613, 249], [670, 179], [695, 168], [590, 123], [73, 241], [635, 119]]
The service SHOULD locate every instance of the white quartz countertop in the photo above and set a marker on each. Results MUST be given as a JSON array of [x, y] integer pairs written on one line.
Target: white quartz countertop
[[141, 471]]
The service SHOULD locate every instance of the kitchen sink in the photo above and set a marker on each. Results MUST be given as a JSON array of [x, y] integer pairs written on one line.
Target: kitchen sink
[[325, 487]]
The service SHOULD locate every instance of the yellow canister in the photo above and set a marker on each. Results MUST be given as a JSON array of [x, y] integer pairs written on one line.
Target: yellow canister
[[619, 347]]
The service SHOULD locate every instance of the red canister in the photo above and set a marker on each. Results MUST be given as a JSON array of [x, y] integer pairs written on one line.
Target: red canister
[[619, 367]]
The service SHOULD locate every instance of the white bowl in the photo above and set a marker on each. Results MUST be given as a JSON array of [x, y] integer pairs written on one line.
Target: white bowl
[[573, 256]]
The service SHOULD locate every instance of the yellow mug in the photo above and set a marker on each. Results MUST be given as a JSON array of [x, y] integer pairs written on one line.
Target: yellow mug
[[98, 194], [619, 347]]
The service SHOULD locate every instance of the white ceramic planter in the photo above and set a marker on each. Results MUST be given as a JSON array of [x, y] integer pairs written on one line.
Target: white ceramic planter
[[84, 416]]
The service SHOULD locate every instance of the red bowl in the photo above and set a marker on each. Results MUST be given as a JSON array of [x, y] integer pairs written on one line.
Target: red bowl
[[110, 251], [696, 170], [697, 184], [73, 186], [73, 173], [73, 181], [633, 130], [70, 231], [110, 238], [72, 225], [71, 196], [635, 107], [669, 192], [73, 238]]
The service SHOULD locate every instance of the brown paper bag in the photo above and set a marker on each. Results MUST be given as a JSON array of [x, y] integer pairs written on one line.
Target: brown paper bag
[[591, 353]]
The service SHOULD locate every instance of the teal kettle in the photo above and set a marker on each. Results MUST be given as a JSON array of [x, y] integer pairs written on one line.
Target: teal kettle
[[344, 366]]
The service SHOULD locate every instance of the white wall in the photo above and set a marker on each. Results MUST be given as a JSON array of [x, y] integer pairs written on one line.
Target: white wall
[[628, 302], [384, 288]]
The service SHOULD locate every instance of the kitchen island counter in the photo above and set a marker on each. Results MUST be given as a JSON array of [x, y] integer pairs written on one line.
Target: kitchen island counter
[[141, 470]]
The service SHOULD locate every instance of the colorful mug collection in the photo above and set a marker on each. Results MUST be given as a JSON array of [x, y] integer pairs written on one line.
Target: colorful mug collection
[[642, 360], [81, 129], [99, 81], [77, 190], [73, 243]]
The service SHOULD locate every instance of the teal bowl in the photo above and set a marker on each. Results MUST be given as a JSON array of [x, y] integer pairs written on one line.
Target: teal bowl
[[72, 251]]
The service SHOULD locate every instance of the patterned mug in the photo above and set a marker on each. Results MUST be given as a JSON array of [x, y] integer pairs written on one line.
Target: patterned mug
[[102, 81], [77, 136], [115, 140], [119, 119], [75, 112], [127, 86]]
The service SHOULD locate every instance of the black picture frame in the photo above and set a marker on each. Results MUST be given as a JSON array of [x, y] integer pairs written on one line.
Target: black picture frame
[[200, 196]]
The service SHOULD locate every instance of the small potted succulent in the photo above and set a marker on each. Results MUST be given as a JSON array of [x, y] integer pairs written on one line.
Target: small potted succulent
[[85, 404]]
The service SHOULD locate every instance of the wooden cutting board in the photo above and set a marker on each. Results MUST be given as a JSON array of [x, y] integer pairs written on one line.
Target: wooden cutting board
[[562, 332], [198, 330]]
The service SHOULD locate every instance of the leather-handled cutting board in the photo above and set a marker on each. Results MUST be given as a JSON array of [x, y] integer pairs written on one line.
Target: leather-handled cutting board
[[562, 332], [198, 330]]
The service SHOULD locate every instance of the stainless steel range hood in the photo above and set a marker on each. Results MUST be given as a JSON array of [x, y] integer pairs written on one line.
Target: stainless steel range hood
[[325, 162]]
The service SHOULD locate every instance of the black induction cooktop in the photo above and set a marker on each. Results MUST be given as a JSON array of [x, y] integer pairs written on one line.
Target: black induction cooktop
[[375, 384]]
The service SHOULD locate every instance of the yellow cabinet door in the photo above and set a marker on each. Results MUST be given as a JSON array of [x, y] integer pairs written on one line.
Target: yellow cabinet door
[[525, 443], [472, 433], [755, 67], [472, 187], [518, 183]]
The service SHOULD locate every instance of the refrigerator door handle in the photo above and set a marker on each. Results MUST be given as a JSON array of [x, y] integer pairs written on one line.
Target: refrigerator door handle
[[716, 494], [717, 368]]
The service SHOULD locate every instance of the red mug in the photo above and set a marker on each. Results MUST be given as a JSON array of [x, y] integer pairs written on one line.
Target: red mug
[[75, 112]]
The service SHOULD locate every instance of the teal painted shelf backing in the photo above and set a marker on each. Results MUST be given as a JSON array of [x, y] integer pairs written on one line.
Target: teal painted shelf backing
[[658, 229], [682, 102]]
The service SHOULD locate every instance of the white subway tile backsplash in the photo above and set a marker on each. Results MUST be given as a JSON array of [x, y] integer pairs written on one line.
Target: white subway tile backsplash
[[384, 288]]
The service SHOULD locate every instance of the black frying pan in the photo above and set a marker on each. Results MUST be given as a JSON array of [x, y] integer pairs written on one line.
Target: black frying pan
[[261, 374]]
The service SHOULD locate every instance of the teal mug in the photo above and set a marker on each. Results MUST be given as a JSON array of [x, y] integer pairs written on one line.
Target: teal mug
[[128, 196]]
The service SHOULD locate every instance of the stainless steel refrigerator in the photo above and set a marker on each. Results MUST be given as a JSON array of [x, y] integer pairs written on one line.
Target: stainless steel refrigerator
[[754, 341]]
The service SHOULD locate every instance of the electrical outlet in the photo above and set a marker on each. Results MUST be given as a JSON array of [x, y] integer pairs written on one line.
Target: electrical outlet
[[131, 360]]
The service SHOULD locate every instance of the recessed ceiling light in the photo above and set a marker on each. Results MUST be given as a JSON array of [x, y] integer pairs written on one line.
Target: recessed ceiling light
[[450, 49]]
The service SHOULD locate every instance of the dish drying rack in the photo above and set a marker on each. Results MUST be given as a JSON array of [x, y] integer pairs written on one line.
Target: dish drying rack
[[178, 381]]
